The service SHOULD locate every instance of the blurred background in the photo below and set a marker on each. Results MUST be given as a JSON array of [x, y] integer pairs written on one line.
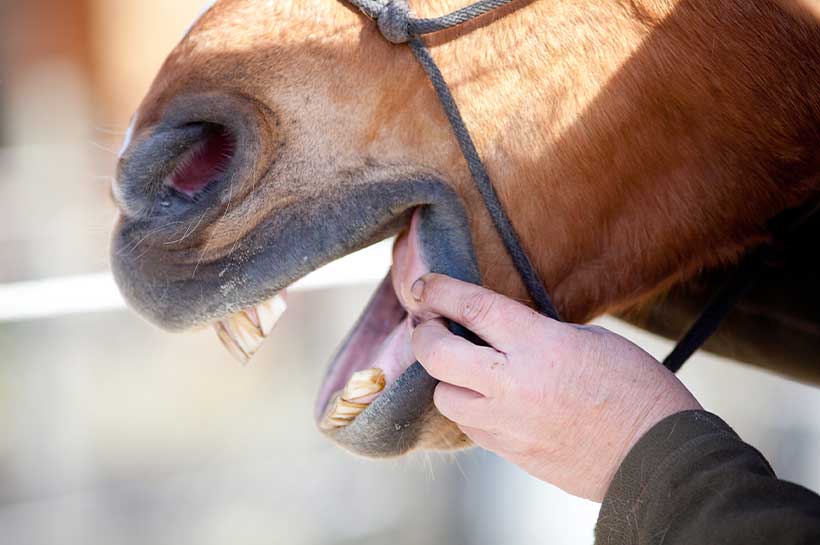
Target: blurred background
[[113, 432]]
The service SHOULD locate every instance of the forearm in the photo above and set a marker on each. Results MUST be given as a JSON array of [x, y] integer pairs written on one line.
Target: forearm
[[691, 479]]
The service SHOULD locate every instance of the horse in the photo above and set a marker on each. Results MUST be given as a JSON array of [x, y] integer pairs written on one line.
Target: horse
[[640, 147]]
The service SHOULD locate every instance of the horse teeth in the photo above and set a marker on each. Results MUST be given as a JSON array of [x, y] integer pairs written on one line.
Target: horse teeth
[[341, 413], [330, 423], [364, 384], [244, 333], [346, 409], [269, 313], [229, 343], [346, 405]]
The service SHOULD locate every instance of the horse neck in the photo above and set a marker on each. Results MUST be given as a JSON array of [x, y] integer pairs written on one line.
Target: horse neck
[[635, 147]]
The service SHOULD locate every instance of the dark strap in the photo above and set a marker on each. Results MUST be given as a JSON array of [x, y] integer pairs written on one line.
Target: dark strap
[[717, 310], [751, 269], [397, 26]]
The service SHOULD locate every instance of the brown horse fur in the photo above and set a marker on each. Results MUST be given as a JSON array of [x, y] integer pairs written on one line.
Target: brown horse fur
[[634, 142]]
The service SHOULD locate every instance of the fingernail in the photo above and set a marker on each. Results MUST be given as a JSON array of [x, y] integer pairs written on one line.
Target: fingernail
[[417, 290]]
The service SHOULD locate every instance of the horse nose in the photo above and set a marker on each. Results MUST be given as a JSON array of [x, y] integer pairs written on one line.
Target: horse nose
[[167, 164], [192, 148]]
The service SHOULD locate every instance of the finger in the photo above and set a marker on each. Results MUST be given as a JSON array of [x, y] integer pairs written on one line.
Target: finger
[[454, 360], [462, 406], [483, 438], [493, 317]]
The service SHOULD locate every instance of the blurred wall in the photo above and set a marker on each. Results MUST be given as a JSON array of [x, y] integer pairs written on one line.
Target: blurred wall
[[72, 73]]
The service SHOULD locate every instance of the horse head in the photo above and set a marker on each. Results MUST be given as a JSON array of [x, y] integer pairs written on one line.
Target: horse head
[[633, 144]]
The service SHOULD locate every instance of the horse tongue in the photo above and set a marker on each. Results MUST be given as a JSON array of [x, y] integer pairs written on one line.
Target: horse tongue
[[244, 333]]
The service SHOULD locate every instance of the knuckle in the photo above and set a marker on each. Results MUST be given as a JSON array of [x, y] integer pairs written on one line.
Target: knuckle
[[495, 363], [593, 329], [477, 308], [491, 357], [599, 329], [533, 321]]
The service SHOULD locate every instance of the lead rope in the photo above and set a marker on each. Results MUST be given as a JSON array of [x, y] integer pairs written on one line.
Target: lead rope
[[397, 26]]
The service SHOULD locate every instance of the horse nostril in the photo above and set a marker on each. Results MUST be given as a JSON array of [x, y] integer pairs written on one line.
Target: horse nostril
[[187, 151], [205, 162]]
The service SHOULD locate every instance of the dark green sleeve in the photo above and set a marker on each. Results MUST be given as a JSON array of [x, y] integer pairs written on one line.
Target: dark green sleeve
[[691, 480]]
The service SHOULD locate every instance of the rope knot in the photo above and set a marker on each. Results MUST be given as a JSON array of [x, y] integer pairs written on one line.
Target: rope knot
[[394, 21]]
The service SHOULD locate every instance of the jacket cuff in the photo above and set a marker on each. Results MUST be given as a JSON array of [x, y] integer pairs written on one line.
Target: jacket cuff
[[645, 468]]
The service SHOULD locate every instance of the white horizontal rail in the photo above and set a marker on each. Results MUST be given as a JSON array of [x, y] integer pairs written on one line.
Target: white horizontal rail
[[88, 293]]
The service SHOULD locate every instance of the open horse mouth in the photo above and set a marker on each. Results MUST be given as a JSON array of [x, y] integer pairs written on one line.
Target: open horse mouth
[[376, 352], [374, 398], [178, 182]]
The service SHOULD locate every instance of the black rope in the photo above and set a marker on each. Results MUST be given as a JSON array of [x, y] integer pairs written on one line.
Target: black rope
[[519, 257], [716, 311], [398, 27], [744, 279]]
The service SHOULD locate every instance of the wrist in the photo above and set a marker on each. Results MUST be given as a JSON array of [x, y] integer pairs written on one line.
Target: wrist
[[672, 399]]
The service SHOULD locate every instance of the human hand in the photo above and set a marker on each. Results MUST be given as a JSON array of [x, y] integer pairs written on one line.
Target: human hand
[[565, 403]]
